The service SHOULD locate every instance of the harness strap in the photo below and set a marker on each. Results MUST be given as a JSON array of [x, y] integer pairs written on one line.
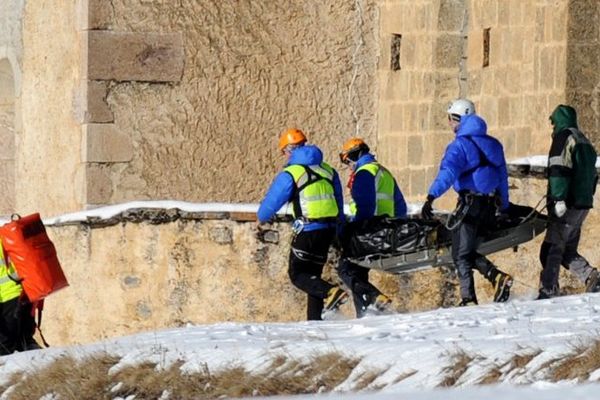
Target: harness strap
[[312, 177], [306, 256]]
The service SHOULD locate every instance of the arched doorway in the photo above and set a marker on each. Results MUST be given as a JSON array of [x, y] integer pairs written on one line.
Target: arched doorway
[[7, 138]]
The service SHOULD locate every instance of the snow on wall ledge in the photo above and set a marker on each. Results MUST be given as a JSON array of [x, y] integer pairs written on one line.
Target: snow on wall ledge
[[144, 266]]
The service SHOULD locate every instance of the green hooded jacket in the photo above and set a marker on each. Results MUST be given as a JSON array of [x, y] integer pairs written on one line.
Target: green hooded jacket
[[572, 173]]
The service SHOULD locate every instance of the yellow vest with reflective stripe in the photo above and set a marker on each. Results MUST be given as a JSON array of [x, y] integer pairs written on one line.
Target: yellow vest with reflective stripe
[[9, 289], [315, 197], [384, 190]]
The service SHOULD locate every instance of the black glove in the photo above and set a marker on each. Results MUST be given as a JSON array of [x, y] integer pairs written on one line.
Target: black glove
[[427, 210]]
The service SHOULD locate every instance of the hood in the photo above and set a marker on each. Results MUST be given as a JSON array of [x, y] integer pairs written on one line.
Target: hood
[[563, 117], [364, 159], [306, 155], [471, 125]]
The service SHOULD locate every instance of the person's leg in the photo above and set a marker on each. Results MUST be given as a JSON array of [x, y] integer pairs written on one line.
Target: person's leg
[[27, 328], [9, 326], [572, 260], [308, 255], [314, 308], [483, 215], [463, 246], [356, 278], [486, 268], [551, 256]]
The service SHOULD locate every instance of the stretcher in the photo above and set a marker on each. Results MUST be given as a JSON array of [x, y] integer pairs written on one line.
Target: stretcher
[[400, 246]]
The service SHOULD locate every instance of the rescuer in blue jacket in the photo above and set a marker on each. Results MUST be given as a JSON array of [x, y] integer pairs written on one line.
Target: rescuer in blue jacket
[[474, 164], [374, 193], [314, 189]]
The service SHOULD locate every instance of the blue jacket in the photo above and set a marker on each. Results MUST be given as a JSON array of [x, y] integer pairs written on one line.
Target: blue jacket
[[283, 187], [464, 166], [364, 194]]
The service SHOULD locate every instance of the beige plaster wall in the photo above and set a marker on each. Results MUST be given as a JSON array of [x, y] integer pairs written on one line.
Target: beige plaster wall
[[251, 69], [49, 147]]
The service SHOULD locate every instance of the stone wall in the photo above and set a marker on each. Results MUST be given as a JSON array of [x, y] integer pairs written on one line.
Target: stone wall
[[10, 88], [516, 59], [583, 61]]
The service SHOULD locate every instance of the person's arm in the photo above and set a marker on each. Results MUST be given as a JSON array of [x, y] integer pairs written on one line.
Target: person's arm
[[364, 195], [279, 193]]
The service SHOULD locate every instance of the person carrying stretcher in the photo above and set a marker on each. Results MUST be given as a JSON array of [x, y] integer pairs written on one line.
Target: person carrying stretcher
[[374, 193], [474, 163]]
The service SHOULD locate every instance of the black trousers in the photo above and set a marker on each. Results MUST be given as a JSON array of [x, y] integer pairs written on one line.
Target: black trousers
[[308, 255], [560, 248], [465, 239], [356, 278], [17, 327]]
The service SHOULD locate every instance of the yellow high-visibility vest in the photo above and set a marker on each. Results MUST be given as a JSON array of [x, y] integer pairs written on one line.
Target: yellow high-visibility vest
[[314, 199], [384, 190], [9, 286]]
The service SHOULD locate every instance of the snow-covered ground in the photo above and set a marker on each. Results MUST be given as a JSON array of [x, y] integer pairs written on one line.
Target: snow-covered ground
[[419, 346]]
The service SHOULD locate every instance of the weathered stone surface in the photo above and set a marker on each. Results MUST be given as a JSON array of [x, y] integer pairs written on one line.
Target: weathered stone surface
[[89, 105], [268, 236], [131, 281], [448, 51], [51, 80], [583, 72], [584, 21], [94, 14], [105, 143], [451, 15], [125, 56], [98, 110], [415, 150], [98, 185], [221, 235]]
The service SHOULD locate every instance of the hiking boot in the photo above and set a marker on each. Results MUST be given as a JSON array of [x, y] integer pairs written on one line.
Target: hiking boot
[[543, 295], [592, 284], [382, 303], [335, 298], [467, 302], [502, 285]]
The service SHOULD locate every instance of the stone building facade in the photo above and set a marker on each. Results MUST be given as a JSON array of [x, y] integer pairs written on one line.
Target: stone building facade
[[108, 101]]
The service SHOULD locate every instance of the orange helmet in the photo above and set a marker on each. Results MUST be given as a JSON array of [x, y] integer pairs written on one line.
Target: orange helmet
[[291, 136], [353, 149]]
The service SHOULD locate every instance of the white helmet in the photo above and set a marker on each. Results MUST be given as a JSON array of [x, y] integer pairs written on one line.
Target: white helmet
[[460, 107]]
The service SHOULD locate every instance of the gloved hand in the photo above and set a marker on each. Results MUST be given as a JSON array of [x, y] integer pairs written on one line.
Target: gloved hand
[[560, 208], [427, 210]]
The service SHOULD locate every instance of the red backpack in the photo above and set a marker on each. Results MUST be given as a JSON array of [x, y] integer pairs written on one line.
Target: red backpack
[[27, 245]]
